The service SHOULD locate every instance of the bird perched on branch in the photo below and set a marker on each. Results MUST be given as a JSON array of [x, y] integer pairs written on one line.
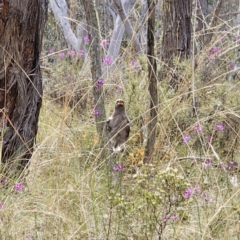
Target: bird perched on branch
[[118, 126]]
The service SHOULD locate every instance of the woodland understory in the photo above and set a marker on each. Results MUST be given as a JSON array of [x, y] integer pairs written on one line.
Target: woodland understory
[[189, 188]]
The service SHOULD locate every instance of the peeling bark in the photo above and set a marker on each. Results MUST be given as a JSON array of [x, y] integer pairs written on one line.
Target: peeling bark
[[21, 31], [176, 38]]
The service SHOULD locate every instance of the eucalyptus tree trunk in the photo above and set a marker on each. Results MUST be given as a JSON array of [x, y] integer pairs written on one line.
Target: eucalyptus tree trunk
[[128, 26], [152, 85], [21, 31], [96, 62], [118, 31], [176, 38]]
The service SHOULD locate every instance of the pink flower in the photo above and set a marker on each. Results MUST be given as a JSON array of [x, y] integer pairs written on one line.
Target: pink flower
[[214, 50], [231, 65], [117, 168], [185, 138], [104, 43], [231, 164], [204, 197], [18, 187], [3, 181], [224, 166], [107, 60], [119, 88], [133, 63], [197, 188], [188, 193], [80, 53], [86, 39], [96, 112], [71, 52], [198, 128], [238, 40], [209, 138], [99, 83], [51, 50], [207, 163], [174, 217], [61, 55], [220, 127], [165, 218]]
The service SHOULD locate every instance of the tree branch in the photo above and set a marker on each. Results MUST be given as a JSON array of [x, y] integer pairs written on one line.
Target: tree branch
[[213, 22]]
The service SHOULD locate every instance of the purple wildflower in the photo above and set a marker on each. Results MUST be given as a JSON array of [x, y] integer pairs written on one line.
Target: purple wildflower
[[231, 164], [224, 166], [107, 60], [231, 65], [188, 193], [18, 187], [86, 39], [198, 128], [3, 181], [61, 55], [214, 50], [133, 63], [185, 138], [117, 168], [207, 163], [71, 52], [119, 88], [99, 83], [209, 138], [220, 127], [96, 112], [51, 50], [80, 53], [165, 218], [238, 40], [203, 195], [197, 188], [174, 217], [104, 43]]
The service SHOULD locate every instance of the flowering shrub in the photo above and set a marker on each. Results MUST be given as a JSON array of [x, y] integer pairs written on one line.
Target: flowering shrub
[[159, 193]]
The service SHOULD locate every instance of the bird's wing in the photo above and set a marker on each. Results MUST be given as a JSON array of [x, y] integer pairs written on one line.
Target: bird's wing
[[128, 128], [108, 124]]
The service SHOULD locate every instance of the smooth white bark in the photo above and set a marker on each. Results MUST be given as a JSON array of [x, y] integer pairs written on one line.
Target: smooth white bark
[[60, 10], [128, 26]]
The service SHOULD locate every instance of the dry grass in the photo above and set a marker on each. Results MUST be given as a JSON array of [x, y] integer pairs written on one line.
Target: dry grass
[[68, 193]]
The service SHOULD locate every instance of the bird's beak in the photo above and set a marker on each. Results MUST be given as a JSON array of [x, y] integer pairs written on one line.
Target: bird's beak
[[120, 102]]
